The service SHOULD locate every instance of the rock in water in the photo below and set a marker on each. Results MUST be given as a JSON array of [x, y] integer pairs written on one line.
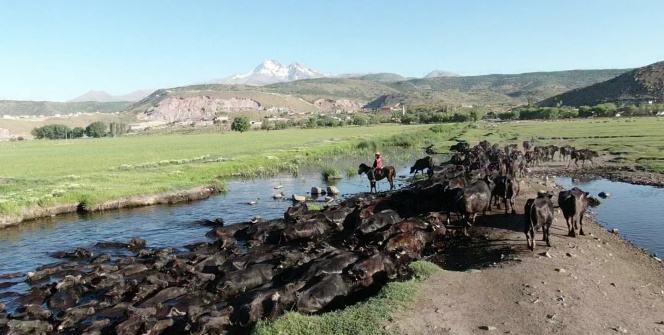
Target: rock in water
[[317, 191], [333, 190], [299, 198], [604, 195], [593, 202]]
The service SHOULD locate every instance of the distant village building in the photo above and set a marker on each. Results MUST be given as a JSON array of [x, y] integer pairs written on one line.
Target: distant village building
[[399, 108], [204, 123], [220, 119]]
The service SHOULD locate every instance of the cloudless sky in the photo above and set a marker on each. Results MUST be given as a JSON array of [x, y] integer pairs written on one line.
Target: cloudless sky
[[57, 50]]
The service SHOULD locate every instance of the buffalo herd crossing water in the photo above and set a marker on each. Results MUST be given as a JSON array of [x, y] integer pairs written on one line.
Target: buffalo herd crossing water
[[203, 270]]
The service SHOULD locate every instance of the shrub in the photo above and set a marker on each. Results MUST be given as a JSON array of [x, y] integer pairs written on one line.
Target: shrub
[[331, 173]]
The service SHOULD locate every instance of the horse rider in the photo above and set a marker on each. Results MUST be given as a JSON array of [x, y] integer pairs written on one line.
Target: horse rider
[[377, 166]]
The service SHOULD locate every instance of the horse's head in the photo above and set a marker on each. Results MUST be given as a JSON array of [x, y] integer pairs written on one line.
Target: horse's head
[[362, 169]]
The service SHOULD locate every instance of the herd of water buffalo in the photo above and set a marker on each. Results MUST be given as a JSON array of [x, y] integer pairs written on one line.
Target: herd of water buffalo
[[307, 261]]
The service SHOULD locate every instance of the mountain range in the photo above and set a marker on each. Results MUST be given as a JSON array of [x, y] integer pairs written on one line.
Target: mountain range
[[103, 96], [272, 72], [301, 90]]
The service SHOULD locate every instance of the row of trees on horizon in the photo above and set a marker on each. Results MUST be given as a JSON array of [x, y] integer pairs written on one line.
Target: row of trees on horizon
[[96, 129]]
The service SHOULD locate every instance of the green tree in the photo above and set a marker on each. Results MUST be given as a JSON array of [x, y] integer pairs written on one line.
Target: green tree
[[77, 132], [475, 115], [240, 124], [37, 133], [96, 129], [267, 125], [360, 120]]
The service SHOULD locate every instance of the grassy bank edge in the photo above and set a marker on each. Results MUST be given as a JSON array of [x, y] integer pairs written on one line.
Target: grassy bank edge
[[367, 317]]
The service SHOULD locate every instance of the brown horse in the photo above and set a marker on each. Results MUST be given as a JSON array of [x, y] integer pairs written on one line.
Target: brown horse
[[386, 172]]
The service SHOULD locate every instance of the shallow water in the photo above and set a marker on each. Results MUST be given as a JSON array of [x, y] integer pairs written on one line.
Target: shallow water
[[29, 245], [635, 210]]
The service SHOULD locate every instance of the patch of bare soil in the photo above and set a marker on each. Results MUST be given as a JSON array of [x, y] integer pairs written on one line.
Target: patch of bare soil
[[492, 283]]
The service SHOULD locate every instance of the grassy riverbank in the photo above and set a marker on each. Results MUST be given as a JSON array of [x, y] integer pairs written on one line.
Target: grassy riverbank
[[48, 173]]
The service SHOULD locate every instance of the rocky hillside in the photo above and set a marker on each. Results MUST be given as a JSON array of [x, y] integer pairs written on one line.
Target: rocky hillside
[[636, 86], [329, 105]]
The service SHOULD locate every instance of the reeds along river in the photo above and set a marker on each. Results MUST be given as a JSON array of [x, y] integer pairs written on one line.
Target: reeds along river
[[29, 245]]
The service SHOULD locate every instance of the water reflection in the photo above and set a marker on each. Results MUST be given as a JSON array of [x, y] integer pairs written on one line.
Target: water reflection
[[633, 209]]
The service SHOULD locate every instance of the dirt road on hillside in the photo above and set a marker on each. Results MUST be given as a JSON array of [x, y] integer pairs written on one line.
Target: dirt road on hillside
[[593, 284]]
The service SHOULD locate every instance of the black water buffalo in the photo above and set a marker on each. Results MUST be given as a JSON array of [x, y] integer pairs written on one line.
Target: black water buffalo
[[574, 204], [527, 146], [311, 229], [379, 221], [538, 213], [422, 164], [404, 226], [330, 292], [472, 200], [460, 147], [412, 242], [565, 152], [583, 155], [377, 268], [506, 188], [335, 263], [531, 158], [240, 281]]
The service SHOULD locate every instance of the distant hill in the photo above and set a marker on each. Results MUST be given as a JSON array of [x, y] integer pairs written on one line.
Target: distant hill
[[440, 73], [383, 77], [636, 86], [326, 94], [497, 89], [48, 108], [102, 96]]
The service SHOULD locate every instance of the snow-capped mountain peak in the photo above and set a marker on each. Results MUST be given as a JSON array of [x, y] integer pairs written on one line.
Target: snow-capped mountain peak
[[270, 72]]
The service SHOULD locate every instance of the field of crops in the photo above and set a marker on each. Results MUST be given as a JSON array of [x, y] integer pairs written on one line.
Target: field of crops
[[47, 172]]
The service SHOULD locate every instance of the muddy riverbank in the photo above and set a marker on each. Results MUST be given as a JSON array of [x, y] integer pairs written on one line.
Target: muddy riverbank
[[593, 284]]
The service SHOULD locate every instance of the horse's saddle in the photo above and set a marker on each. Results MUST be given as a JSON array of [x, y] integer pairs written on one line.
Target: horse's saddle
[[378, 174]]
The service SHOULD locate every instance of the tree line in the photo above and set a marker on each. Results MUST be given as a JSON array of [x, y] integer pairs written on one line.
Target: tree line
[[243, 123], [95, 129]]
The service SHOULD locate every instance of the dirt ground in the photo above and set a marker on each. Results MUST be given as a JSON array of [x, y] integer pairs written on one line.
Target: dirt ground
[[593, 284]]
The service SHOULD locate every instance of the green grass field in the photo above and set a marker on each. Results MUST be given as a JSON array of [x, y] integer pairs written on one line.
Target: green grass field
[[94, 170]]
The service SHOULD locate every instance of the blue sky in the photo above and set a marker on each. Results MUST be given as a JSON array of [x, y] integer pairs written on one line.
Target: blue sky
[[57, 50]]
